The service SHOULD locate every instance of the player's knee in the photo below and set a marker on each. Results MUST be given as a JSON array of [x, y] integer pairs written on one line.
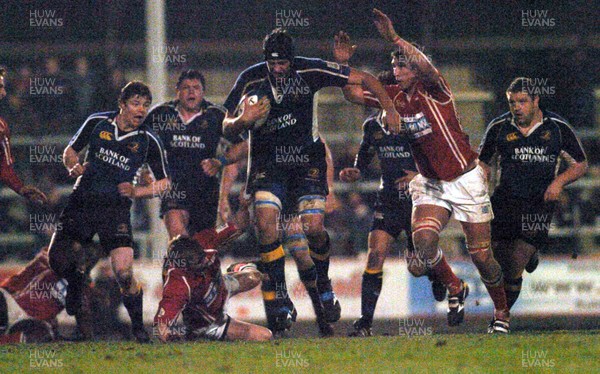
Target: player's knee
[[481, 253]]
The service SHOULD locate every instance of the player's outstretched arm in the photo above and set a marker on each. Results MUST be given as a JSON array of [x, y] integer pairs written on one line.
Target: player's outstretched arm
[[390, 116], [71, 162], [427, 72]]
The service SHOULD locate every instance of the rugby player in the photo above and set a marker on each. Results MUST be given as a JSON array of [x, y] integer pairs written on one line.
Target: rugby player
[[7, 171], [529, 142], [450, 183], [392, 211], [190, 128], [36, 292], [119, 144], [196, 288], [287, 165]]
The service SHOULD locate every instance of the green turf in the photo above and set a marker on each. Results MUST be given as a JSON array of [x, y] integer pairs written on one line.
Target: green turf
[[479, 353]]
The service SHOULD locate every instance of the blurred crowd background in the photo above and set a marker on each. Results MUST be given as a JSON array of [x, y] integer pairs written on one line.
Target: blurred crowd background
[[67, 60]]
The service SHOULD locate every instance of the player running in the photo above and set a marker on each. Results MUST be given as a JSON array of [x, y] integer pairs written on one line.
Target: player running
[[392, 212], [7, 171], [287, 166], [196, 288], [190, 128], [119, 144], [529, 142], [450, 183]]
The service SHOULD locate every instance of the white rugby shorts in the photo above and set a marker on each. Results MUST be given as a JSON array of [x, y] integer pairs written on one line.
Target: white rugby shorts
[[466, 197]]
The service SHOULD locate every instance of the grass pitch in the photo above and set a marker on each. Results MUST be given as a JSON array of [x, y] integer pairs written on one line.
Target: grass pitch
[[478, 353]]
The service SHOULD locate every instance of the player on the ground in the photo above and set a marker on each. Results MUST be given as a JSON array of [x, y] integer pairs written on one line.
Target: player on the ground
[[7, 171], [196, 288], [450, 183], [119, 144], [190, 128], [392, 211], [529, 141], [274, 102], [36, 292]]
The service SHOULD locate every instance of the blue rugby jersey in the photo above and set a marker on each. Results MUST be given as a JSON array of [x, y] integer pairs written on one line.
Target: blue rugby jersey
[[114, 156], [529, 163]]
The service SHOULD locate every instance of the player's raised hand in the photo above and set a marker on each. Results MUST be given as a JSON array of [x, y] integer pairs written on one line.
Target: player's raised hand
[[254, 111], [126, 189], [391, 120], [349, 175], [384, 26], [343, 50], [211, 166], [33, 194]]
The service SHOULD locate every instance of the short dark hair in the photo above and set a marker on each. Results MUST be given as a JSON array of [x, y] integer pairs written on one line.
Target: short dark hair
[[524, 85], [278, 45], [134, 88], [191, 74], [185, 253]]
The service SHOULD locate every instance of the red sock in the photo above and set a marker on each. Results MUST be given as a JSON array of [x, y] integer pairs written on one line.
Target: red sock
[[443, 272], [498, 296], [17, 337]]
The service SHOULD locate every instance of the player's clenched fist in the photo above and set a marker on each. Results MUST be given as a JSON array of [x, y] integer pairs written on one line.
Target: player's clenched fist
[[126, 189], [211, 166], [349, 175], [77, 170]]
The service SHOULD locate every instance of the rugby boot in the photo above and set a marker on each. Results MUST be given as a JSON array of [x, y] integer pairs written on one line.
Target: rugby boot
[[498, 326], [456, 305], [362, 328], [437, 288], [533, 262], [331, 305]]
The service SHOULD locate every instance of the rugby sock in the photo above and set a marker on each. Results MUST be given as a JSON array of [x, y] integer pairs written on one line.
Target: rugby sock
[[274, 290], [320, 257], [372, 281], [134, 306], [442, 272], [512, 287], [309, 279], [497, 294]]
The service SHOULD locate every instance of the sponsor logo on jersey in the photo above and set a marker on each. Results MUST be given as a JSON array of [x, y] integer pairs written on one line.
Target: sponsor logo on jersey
[[333, 65], [134, 147], [416, 126], [105, 135], [204, 124], [545, 135], [314, 173], [122, 228], [260, 175], [512, 137], [378, 135]]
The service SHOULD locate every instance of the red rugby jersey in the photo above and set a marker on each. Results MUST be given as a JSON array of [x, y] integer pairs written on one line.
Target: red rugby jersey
[[440, 146], [37, 290], [200, 297], [7, 173]]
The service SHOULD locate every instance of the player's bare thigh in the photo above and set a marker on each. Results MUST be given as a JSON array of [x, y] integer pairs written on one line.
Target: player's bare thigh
[[427, 222], [379, 246], [239, 330], [121, 260], [176, 222]]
